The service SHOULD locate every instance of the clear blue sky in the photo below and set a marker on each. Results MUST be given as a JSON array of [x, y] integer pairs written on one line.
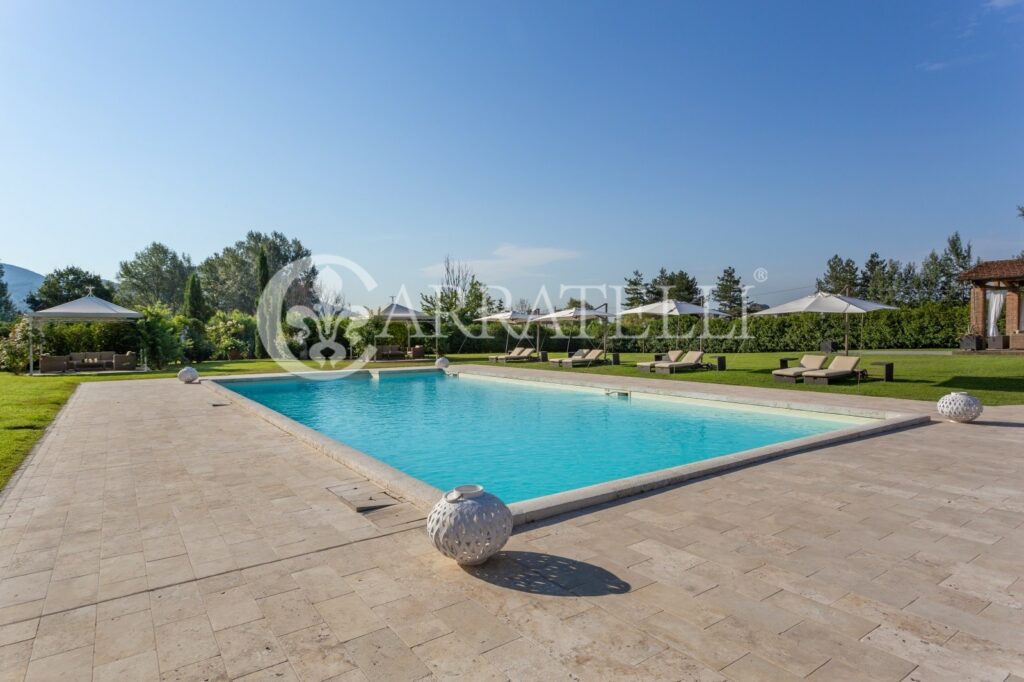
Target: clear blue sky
[[545, 142]]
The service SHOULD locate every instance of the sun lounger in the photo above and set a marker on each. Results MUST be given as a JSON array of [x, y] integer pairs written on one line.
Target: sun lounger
[[691, 360], [525, 354], [596, 355], [512, 355], [842, 366], [578, 355], [808, 363], [671, 356]]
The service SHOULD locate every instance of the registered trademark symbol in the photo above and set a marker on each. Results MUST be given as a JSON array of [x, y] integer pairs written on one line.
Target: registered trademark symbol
[[761, 275]]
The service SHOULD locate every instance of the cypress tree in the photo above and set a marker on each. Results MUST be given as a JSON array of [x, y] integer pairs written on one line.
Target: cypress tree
[[262, 279], [195, 304]]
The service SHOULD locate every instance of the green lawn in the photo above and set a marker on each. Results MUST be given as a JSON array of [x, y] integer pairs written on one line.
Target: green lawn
[[29, 404], [996, 380]]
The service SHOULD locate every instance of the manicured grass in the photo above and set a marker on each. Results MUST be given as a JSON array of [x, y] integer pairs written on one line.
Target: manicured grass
[[29, 404], [996, 380]]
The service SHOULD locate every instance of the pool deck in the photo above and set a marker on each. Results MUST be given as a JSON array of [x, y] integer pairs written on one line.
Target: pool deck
[[160, 532]]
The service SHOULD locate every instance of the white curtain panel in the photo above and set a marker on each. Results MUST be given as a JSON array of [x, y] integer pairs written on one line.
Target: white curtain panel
[[996, 300]]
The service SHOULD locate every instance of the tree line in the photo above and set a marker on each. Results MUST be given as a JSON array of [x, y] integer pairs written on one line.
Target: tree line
[[159, 275], [889, 281], [935, 280]]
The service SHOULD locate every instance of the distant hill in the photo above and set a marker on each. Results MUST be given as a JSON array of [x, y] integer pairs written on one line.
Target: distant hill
[[21, 283]]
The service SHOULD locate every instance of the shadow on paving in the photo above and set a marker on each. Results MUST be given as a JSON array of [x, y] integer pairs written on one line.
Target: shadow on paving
[[539, 573]]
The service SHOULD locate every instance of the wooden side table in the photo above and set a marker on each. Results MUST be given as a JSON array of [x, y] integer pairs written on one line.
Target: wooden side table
[[719, 363], [784, 362]]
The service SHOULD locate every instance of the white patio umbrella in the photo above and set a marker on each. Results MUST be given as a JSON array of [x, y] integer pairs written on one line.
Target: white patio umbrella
[[672, 308], [577, 314], [825, 303], [505, 316]]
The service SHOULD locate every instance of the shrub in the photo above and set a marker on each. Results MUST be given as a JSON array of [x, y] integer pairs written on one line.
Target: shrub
[[159, 341], [228, 332], [14, 347]]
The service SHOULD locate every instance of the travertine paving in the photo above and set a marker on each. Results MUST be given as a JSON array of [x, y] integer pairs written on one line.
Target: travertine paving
[[160, 534]]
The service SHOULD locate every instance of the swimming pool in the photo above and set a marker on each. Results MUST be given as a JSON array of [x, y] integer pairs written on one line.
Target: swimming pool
[[523, 439]]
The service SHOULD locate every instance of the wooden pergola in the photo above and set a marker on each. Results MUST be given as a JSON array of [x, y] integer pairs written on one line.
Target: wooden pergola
[[997, 275]]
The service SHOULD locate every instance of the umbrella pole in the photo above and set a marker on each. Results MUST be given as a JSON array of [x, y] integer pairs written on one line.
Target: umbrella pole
[[30, 355], [846, 344]]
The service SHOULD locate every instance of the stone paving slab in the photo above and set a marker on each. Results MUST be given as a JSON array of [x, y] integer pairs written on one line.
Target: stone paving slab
[[155, 536]]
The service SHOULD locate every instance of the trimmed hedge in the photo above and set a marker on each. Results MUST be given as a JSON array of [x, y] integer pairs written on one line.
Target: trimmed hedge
[[931, 325]]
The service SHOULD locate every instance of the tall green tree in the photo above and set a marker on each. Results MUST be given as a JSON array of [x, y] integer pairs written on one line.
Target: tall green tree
[[958, 257], [458, 299], [194, 305], [262, 279], [154, 275], [67, 284], [231, 283], [635, 290], [8, 311], [880, 280], [840, 276], [728, 292], [677, 284]]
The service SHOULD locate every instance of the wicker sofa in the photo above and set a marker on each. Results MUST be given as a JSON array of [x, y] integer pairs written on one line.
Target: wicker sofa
[[95, 361]]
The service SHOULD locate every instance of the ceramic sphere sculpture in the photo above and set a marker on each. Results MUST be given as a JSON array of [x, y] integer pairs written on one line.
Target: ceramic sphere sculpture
[[960, 407], [469, 525], [441, 362], [189, 375]]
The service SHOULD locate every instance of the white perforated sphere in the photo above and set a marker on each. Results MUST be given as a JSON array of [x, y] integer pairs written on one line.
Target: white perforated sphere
[[189, 375], [441, 362], [960, 407], [469, 525]]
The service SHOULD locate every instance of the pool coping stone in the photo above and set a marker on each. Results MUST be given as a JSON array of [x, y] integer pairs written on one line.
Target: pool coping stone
[[424, 495]]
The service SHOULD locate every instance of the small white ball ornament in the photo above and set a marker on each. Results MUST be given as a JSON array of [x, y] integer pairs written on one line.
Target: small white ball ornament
[[441, 363], [188, 375]]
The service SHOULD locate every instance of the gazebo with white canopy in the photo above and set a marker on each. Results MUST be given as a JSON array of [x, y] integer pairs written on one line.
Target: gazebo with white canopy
[[88, 308], [396, 312]]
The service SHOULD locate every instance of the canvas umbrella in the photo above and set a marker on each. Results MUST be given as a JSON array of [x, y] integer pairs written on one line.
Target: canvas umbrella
[[824, 303], [672, 308], [577, 314], [505, 316]]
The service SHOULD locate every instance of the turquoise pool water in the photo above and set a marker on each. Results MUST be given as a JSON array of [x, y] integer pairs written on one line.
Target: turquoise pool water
[[522, 439]]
